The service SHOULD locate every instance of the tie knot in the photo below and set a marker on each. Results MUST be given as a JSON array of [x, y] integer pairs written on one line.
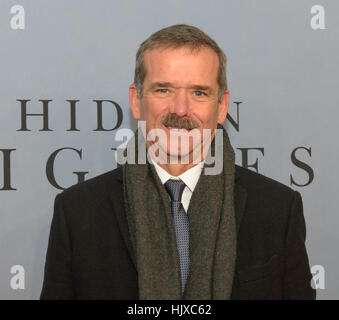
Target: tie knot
[[175, 189]]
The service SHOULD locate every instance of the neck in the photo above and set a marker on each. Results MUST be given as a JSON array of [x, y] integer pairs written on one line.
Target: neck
[[176, 169]]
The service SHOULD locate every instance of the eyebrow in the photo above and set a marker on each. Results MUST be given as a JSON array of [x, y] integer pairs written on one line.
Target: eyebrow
[[200, 87], [160, 84], [169, 84]]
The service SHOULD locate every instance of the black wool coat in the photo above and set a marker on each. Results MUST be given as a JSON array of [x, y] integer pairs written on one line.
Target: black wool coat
[[90, 255]]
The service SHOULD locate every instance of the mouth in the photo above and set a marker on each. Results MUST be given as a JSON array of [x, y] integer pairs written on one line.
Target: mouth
[[176, 130]]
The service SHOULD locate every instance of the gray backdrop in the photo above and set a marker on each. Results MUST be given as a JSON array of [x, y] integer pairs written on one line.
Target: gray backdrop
[[284, 73]]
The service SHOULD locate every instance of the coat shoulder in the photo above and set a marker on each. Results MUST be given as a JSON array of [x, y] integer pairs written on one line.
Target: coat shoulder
[[258, 184], [95, 189]]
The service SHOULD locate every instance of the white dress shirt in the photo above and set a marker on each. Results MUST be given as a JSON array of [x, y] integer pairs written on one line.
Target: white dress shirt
[[190, 177]]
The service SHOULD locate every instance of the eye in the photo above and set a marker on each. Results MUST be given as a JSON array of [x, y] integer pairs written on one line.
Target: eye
[[162, 90], [199, 93]]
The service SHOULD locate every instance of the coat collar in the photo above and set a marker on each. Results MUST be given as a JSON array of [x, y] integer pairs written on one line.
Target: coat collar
[[116, 196]]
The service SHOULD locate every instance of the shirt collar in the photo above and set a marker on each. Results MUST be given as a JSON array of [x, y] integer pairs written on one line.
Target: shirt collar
[[190, 177]]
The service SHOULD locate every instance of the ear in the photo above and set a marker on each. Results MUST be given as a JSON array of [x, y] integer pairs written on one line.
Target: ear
[[134, 101], [223, 107]]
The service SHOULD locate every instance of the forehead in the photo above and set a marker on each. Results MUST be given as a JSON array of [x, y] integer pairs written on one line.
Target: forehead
[[181, 64]]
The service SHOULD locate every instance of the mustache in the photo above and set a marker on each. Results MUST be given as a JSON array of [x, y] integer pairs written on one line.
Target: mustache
[[172, 120]]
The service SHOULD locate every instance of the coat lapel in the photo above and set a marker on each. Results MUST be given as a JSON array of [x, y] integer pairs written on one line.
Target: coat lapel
[[117, 200], [240, 197]]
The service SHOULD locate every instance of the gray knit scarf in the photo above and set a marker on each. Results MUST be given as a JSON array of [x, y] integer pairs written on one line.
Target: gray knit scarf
[[212, 231]]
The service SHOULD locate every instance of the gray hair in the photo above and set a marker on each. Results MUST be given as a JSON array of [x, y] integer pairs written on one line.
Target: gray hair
[[176, 36]]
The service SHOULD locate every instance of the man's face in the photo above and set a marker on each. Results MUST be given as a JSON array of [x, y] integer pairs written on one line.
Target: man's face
[[180, 91]]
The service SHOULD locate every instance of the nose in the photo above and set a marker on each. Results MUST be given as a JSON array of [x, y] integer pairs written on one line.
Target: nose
[[180, 103]]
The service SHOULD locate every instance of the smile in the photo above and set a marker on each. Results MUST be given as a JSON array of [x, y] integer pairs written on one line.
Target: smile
[[178, 130]]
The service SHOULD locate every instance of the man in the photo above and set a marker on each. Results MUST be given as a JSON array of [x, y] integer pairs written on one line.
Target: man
[[166, 229]]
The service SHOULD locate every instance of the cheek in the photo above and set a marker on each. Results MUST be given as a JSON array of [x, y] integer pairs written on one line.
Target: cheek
[[153, 109], [207, 115]]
